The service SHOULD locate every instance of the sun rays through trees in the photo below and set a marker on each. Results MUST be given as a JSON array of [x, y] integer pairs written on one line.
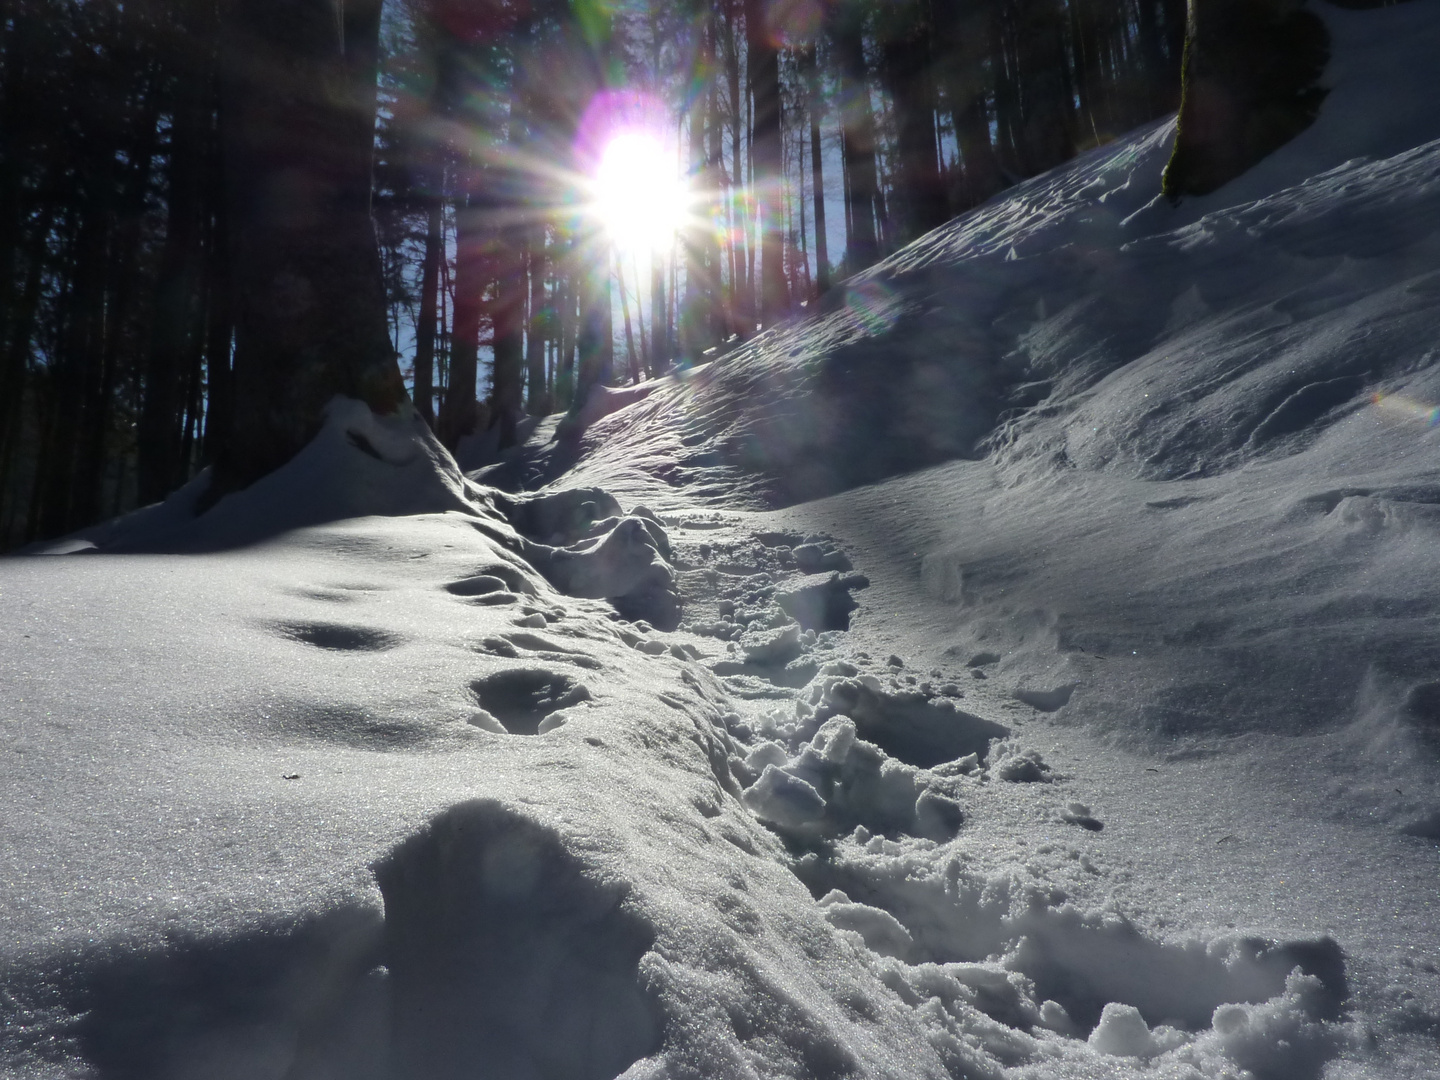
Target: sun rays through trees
[[214, 214]]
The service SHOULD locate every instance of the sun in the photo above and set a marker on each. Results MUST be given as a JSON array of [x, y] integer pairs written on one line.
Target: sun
[[638, 198]]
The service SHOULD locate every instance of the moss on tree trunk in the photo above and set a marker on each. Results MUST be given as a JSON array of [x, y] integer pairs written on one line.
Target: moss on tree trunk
[[1250, 84]]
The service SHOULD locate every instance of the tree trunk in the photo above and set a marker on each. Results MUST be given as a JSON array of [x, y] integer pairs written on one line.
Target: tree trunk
[[508, 241], [810, 70], [700, 325], [1089, 78], [122, 274], [763, 68], [13, 106], [425, 327], [596, 346], [219, 325], [857, 124], [565, 354], [659, 347], [536, 398], [1047, 128], [1175, 20], [299, 115], [1152, 53], [1250, 85], [458, 410], [625, 313], [178, 294], [17, 349], [74, 375], [909, 78], [508, 321], [512, 244], [742, 300], [802, 285], [1004, 66]]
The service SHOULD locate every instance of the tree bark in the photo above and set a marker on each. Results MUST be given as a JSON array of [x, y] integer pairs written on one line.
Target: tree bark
[[13, 378], [659, 347], [509, 321], [565, 354], [425, 323], [537, 400], [458, 411], [625, 314], [508, 242], [596, 345], [763, 68], [1250, 85], [13, 107], [1047, 135], [741, 308], [909, 77], [74, 373], [857, 125], [219, 323], [810, 69], [298, 105], [178, 293], [700, 324]]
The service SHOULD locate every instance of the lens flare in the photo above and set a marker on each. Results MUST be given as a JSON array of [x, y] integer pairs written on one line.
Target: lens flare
[[634, 187], [637, 197], [874, 305], [1399, 405]]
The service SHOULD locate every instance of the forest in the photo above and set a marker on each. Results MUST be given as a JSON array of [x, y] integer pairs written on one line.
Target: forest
[[131, 182]]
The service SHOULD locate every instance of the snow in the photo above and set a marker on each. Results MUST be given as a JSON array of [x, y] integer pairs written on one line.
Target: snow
[[1023, 667]]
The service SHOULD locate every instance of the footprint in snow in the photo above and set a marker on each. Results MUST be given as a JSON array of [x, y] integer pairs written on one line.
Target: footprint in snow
[[338, 637], [521, 700]]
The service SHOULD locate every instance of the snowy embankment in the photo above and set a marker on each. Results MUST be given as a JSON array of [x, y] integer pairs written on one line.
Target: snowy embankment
[[1107, 749]]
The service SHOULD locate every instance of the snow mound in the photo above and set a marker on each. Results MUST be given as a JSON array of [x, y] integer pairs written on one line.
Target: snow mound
[[359, 464], [506, 959]]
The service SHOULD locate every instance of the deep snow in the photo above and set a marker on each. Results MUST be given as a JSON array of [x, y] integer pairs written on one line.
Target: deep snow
[[1026, 666]]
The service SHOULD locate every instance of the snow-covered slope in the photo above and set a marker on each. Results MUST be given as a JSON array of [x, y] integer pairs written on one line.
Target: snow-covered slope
[[1206, 434], [1054, 692]]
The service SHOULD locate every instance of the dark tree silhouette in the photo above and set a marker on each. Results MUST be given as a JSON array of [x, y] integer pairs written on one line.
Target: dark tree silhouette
[[1251, 84], [298, 104], [189, 266]]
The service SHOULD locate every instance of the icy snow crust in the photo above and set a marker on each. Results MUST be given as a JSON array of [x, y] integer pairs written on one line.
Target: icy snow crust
[[904, 694]]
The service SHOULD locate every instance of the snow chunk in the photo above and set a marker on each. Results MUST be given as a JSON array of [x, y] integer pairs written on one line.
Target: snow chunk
[[915, 728], [1019, 766], [882, 932], [1122, 1032], [784, 799], [1280, 1037]]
